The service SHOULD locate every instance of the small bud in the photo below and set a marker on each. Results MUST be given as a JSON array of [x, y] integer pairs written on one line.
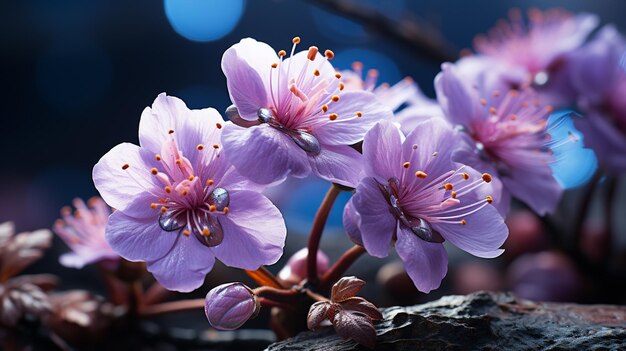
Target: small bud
[[229, 306], [296, 266]]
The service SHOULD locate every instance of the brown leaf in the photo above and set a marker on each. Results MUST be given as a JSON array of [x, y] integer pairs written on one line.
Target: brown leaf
[[360, 305], [44, 281], [317, 314], [22, 250], [356, 327], [17, 301], [345, 288]]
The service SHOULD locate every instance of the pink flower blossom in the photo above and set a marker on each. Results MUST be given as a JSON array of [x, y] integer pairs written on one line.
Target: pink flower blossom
[[83, 232], [509, 134], [294, 116], [180, 203], [413, 195]]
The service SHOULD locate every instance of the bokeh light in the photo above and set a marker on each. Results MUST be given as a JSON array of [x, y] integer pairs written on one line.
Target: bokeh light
[[203, 20], [575, 164]]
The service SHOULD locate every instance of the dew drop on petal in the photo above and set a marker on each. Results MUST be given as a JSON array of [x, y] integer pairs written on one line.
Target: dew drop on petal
[[424, 231], [265, 115], [171, 221], [220, 198], [214, 233], [306, 141]]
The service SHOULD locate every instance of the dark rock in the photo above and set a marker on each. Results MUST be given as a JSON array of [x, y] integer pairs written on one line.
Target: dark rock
[[484, 321]]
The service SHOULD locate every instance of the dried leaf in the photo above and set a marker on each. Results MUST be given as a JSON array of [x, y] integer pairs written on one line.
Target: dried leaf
[[17, 301], [356, 327], [44, 281], [80, 307], [360, 305], [317, 314], [22, 250], [346, 288], [6, 232]]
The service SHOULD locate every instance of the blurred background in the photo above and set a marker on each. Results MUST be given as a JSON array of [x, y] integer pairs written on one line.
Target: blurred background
[[77, 74]]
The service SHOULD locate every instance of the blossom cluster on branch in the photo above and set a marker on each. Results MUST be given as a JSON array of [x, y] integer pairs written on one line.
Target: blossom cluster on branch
[[422, 172]]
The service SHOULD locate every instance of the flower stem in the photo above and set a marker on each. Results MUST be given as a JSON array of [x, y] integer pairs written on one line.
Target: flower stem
[[264, 277], [314, 296], [316, 231], [282, 295], [169, 307], [341, 266], [156, 293]]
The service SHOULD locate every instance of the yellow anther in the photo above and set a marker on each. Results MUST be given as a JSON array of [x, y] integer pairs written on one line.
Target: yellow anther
[[282, 53], [465, 176], [274, 65], [335, 98], [212, 208], [324, 108], [313, 50], [200, 147], [316, 72], [163, 209], [448, 186], [295, 40], [421, 174], [489, 199], [359, 114], [125, 166], [341, 86], [493, 110], [178, 162], [333, 116], [154, 171], [184, 192], [191, 178], [487, 177], [216, 146], [406, 164], [218, 125], [186, 232], [168, 189], [158, 157], [171, 131], [338, 75], [210, 182], [153, 206], [226, 210], [483, 102], [206, 231], [464, 222], [329, 54], [453, 194]]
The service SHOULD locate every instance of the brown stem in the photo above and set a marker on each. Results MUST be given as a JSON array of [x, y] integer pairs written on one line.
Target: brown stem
[[264, 277], [169, 307], [408, 32], [271, 303], [155, 294], [341, 266], [276, 294], [316, 231], [314, 296]]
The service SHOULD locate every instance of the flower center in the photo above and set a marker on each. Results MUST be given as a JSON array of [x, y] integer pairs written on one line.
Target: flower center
[[305, 140], [418, 226]]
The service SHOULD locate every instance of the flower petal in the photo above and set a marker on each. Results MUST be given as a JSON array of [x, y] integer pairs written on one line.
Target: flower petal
[[538, 189], [356, 327], [124, 189], [378, 225], [185, 265], [317, 314], [482, 236], [351, 223], [247, 67], [348, 128], [346, 288], [426, 263], [264, 154], [383, 165], [254, 232], [339, 164], [138, 239], [460, 105]]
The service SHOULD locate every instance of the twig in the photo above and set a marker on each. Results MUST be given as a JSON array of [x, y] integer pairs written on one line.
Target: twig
[[316, 231], [424, 40], [341, 266], [169, 307]]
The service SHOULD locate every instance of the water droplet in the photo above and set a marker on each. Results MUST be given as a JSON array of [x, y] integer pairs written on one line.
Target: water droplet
[[232, 113], [265, 115], [306, 141], [171, 221], [541, 78], [220, 198], [213, 235], [424, 231]]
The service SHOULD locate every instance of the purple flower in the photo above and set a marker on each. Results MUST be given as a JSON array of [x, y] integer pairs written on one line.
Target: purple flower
[[293, 115], [510, 137], [536, 46], [83, 232], [229, 306], [180, 203], [414, 195], [599, 76]]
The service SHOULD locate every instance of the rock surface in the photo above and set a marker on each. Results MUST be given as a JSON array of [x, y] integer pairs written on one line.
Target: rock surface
[[484, 321]]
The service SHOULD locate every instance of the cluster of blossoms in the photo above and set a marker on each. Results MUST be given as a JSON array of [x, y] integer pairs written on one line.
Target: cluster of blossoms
[[422, 171]]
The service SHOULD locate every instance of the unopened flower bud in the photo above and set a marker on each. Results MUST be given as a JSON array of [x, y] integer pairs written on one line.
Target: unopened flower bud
[[229, 306], [296, 266]]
